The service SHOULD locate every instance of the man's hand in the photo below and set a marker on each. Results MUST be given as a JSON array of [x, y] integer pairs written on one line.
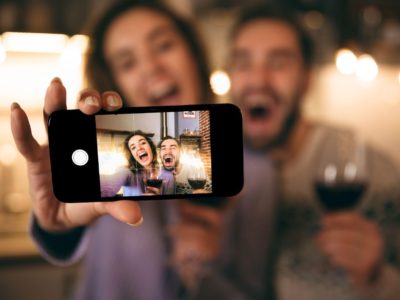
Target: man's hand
[[195, 240], [51, 214], [353, 243]]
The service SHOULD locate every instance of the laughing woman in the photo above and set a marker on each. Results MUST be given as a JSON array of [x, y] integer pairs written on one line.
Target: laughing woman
[[143, 53]]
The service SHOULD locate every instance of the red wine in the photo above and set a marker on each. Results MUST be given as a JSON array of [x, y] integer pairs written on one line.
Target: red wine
[[156, 183], [339, 196], [197, 183]]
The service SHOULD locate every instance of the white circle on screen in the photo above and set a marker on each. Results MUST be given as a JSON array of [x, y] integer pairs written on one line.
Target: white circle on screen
[[80, 157]]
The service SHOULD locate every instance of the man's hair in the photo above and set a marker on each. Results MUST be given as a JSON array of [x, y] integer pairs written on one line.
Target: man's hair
[[97, 70], [279, 13], [168, 137]]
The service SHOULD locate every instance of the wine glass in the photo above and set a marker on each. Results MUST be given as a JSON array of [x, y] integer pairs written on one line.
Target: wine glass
[[341, 177], [152, 179], [197, 176]]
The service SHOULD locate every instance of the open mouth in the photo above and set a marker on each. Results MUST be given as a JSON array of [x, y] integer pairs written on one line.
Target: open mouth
[[164, 94], [168, 159], [143, 156], [259, 112]]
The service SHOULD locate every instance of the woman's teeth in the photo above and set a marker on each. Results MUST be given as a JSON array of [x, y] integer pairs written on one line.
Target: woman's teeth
[[159, 94]]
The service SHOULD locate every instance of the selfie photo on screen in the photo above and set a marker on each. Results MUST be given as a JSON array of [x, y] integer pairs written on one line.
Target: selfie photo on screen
[[162, 153]]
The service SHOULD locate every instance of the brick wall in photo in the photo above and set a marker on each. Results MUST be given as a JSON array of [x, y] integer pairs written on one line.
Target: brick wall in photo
[[205, 152]]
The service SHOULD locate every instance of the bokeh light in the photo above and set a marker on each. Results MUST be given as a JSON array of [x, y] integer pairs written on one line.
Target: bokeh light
[[3, 54], [346, 61], [8, 154], [220, 82], [367, 68]]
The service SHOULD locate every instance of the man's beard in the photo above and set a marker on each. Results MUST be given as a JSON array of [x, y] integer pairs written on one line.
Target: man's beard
[[283, 135], [171, 168], [288, 125]]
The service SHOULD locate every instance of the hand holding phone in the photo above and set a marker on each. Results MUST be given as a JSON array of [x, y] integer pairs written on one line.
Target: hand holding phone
[[51, 214]]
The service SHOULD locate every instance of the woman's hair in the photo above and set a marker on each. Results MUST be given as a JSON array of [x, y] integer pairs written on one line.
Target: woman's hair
[[133, 164], [97, 70]]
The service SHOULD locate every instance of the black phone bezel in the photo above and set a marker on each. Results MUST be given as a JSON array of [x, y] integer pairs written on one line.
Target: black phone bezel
[[69, 130]]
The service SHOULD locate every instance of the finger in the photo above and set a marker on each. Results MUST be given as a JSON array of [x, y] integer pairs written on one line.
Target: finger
[[358, 252], [200, 213], [343, 219], [22, 134], [125, 211], [89, 101], [111, 101], [342, 235], [345, 259], [189, 236], [55, 99], [336, 250], [81, 214]]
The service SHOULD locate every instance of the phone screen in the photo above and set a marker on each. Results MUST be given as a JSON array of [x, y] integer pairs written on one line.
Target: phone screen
[[166, 153]]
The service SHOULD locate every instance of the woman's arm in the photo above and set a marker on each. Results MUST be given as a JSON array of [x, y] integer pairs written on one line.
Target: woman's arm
[[111, 184]]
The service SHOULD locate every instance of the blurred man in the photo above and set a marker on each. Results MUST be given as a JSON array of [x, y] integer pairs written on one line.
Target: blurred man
[[340, 255]]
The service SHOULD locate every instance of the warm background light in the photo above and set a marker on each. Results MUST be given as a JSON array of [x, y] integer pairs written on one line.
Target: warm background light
[[370, 107], [367, 69], [346, 61], [34, 42], [2, 53], [220, 82], [71, 56], [8, 154], [31, 60], [111, 161]]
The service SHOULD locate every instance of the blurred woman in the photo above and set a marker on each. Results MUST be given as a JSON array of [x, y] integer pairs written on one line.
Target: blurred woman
[[147, 54]]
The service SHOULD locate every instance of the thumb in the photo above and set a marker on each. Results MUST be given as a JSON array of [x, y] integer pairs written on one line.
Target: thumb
[[81, 214], [125, 211]]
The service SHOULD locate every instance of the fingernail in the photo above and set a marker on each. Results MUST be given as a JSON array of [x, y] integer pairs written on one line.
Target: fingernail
[[112, 100], [14, 105], [56, 79], [90, 100], [138, 223]]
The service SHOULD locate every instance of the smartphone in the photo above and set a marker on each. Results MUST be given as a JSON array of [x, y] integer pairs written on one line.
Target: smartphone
[[143, 153]]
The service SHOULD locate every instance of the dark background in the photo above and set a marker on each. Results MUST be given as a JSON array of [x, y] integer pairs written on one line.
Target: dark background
[[364, 25]]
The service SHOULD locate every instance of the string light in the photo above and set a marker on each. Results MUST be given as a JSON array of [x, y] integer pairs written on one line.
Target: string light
[[220, 82], [346, 61], [367, 68]]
